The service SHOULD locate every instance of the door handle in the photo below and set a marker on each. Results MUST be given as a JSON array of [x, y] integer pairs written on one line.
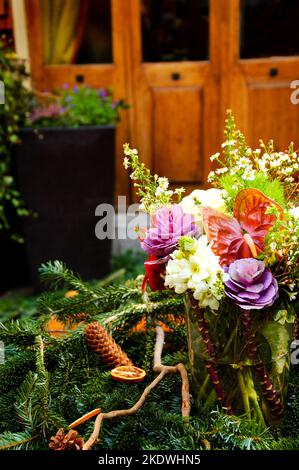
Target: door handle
[[175, 76], [80, 78], [273, 72]]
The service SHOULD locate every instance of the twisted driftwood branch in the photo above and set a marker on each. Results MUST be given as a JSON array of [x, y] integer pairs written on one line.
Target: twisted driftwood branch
[[163, 371]]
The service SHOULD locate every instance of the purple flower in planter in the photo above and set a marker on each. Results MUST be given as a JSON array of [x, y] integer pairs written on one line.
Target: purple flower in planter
[[51, 111], [115, 104], [250, 285], [103, 94], [169, 224]]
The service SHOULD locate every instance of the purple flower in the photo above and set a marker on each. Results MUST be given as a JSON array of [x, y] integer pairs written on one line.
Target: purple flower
[[169, 224], [103, 94], [40, 112], [115, 104], [68, 98], [75, 89], [250, 284]]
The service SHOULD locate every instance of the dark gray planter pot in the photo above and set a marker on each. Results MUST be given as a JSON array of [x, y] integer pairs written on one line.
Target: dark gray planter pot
[[63, 174]]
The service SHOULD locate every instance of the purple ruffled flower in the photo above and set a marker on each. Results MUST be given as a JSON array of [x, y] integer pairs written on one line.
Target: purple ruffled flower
[[251, 285], [169, 224]]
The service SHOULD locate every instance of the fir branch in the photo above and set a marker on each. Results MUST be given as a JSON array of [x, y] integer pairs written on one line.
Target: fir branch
[[33, 398], [56, 273], [87, 303], [13, 372], [21, 333], [15, 441]]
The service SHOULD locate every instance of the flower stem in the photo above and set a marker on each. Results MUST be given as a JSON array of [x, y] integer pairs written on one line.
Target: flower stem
[[211, 352], [244, 393], [270, 394]]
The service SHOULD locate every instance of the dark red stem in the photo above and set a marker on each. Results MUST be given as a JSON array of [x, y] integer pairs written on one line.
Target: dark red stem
[[211, 362], [268, 390]]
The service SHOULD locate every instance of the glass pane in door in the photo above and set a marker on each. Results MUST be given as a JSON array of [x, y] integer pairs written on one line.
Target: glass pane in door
[[76, 31], [175, 30], [269, 28]]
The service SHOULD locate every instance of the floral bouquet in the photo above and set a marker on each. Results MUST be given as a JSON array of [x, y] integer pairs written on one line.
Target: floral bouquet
[[233, 252]]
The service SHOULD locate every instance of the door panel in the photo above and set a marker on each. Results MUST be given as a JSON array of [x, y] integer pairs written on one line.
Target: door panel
[[177, 113], [271, 115], [175, 108]]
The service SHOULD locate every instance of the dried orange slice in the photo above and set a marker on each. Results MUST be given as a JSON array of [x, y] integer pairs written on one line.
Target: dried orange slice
[[84, 418], [128, 374], [71, 293]]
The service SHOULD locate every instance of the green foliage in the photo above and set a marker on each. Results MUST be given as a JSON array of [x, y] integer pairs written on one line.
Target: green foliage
[[15, 441], [76, 107], [13, 372], [48, 382], [12, 117], [240, 167], [15, 305], [21, 333], [152, 190], [273, 189]]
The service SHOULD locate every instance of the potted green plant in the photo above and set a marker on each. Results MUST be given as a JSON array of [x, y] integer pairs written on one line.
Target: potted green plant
[[65, 169], [16, 101]]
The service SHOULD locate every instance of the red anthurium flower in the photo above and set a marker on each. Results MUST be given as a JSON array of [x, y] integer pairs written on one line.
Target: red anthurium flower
[[154, 270], [241, 236]]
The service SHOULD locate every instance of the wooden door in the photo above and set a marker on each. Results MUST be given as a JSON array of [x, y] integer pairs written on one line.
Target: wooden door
[[174, 78], [105, 72], [258, 67]]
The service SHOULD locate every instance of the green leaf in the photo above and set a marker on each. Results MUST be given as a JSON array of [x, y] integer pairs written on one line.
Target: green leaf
[[278, 339]]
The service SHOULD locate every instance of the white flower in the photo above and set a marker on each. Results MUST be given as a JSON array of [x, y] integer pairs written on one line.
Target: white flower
[[248, 174], [221, 171], [228, 143], [163, 183], [159, 191], [198, 271], [244, 162], [211, 176], [295, 212], [215, 157], [126, 163], [193, 203]]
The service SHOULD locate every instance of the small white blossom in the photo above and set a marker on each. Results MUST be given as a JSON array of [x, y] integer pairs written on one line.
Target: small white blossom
[[215, 156], [126, 163], [295, 212], [197, 270], [221, 171], [163, 182]]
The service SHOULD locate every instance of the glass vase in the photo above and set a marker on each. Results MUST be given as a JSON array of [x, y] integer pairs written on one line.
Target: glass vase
[[240, 359]]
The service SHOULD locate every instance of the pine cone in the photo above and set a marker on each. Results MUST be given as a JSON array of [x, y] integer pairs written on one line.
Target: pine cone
[[69, 441], [102, 343]]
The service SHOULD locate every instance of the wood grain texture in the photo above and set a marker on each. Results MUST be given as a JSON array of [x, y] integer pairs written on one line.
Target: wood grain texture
[[177, 132], [177, 125]]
